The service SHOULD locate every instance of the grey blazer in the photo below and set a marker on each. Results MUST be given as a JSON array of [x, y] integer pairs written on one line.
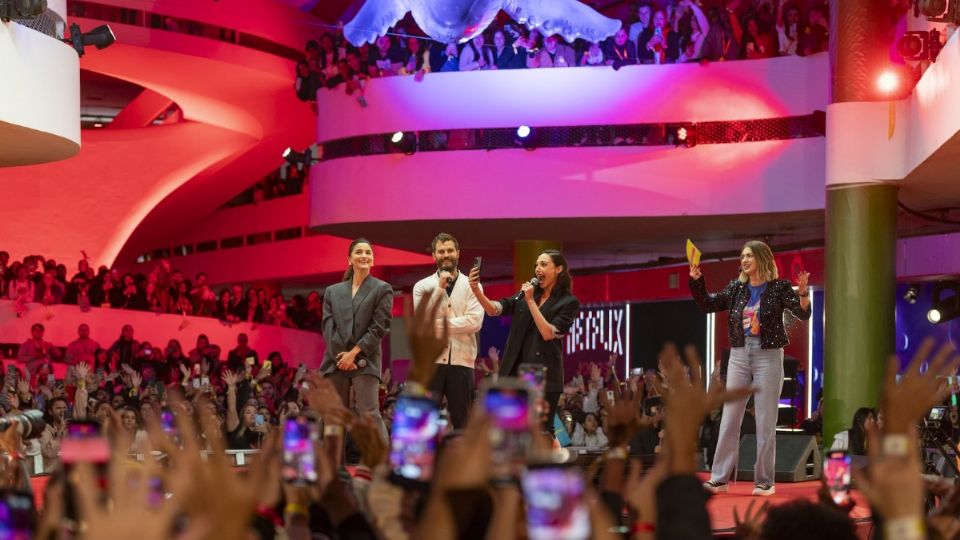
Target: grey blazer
[[362, 320]]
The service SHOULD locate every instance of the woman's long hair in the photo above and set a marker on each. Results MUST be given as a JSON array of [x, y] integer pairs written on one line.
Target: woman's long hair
[[857, 442], [765, 261], [348, 275], [564, 284]]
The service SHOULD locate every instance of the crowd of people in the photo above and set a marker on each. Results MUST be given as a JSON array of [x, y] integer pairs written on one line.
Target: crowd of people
[[174, 492], [676, 31], [36, 279]]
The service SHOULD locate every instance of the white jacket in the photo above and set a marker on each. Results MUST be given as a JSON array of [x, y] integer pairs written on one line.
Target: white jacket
[[464, 317]]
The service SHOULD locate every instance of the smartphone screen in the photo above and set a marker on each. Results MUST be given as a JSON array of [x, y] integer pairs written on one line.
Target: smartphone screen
[[196, 369], [937, 413], [478, 262], [267, 365], [299, 458], [17, 515], [84, 443], [509, 410], [251, 360], [167, 422], [534, 375], [413, 443], [555, 506], [836, 472]]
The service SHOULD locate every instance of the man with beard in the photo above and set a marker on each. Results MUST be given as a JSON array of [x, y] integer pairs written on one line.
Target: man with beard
[[464, 314]]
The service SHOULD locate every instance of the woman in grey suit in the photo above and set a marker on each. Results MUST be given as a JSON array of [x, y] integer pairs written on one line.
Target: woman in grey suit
[[356, 317]]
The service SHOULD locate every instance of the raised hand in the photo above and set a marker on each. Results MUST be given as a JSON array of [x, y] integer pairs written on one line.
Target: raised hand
[[905, 403], [425, 345], [23, 386], [803, 279], [749, 527], [230, 378], [81, 371], [136, 380], [365, 432], [695, 272]]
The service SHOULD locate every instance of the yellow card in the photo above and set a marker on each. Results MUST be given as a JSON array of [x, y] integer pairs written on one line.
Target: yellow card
[[693, 254]]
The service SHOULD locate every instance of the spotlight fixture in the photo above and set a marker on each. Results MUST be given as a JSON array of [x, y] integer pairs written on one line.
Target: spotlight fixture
[[305, 158], [21, 9], [523, 132], [910, 296], [944, 307], [682, 135], [404, 141], [920, 45], [888, 82], [100, 37]]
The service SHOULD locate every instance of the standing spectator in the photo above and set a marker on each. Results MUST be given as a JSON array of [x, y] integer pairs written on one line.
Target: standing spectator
[[452, 62], [418, 59], [699, 27], [237, 357], [788, 28], [203, 295], [621, 51], [553, 54], [252, 310], [505, 55], [21, 290], [125, 348], [55, 416], [644, 11], [757, 42], [36, 352], [308, 82], [816, 35], [475, 56], [81, 349], [329, 55], [593, 56], [659, 44], [238, 304], [312, 51], [50, 291], [223, 311], [720, 43], [386, 58]]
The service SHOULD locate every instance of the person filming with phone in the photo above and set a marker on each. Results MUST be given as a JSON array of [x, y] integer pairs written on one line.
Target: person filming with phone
[[543, 312], [455, 367]]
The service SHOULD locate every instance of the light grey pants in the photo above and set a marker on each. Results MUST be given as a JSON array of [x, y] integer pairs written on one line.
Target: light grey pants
[[366, 390], [762, 369]]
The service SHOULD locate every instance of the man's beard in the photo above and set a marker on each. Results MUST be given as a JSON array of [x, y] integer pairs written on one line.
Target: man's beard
[[449, 266]]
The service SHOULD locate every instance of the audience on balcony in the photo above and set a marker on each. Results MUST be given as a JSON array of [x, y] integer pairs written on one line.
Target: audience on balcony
[[663, 33], [163, 290]]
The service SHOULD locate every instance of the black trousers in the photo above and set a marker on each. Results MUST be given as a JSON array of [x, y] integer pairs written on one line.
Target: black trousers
[[456, 384]]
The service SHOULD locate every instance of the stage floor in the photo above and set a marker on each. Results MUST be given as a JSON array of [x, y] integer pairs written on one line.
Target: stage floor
[[721, 506]]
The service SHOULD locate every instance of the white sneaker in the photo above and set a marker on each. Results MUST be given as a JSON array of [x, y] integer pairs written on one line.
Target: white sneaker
[[764, 490], [716, 487]]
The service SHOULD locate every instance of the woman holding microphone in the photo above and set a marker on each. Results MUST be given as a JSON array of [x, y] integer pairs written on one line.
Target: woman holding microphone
[[756, 302], [542, 314]]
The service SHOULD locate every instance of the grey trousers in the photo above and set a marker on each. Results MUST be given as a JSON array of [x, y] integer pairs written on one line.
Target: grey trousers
[[762, 369], [366, 390]]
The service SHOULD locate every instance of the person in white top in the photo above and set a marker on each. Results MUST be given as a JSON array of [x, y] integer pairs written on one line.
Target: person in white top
[[464, 314]]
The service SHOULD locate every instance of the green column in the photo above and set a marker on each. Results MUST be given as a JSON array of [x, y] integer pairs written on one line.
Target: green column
[[861, 230]]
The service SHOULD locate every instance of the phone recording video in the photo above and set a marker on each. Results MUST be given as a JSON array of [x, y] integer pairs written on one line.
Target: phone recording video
[[413, 443], [18, 516], [836, 473], [534, 375], [167, 422], [555, 506], [84, 443], [299, 455], [508, 405]]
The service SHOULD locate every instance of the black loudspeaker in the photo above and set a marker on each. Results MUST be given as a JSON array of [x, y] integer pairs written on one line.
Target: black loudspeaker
[[798, 458]]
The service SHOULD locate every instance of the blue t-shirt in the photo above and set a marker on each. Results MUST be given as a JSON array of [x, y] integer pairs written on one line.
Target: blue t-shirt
[[751, 312]]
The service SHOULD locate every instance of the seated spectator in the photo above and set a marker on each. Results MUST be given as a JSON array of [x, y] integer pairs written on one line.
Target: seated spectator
[[128, 295], [854, 440], [553, 54], [201, 350], [308, 82], [593, 56], [240, 355], [589, 433], [21, 290], [125, 349], [620, 51], [475, 56], [658, 44], [35, 352], [82, 349], [757, 42], [50, 291]]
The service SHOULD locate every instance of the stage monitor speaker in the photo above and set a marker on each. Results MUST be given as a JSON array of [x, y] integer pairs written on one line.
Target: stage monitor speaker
[[798, 458]]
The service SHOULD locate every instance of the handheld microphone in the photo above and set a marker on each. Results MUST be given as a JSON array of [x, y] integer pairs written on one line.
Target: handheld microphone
[[533, 282]]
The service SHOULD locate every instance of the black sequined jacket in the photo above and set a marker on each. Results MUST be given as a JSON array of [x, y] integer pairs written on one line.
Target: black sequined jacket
[[777, 298]]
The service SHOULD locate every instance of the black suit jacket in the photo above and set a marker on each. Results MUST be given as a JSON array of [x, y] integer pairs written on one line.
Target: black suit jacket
[[362, 320], [525, 345]]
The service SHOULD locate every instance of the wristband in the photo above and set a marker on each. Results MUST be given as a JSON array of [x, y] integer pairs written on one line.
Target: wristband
[[643, 527], [895, 445], [905, 528], [295, 509]]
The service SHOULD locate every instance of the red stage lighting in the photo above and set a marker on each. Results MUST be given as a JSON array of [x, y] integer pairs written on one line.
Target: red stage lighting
[[888, 82]]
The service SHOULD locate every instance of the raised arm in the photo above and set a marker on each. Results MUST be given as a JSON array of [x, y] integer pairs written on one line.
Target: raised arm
[[233, 419], [709, 303], [491, 308]]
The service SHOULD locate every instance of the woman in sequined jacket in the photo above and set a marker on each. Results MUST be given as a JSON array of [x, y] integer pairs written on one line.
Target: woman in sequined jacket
[[756, 302]]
